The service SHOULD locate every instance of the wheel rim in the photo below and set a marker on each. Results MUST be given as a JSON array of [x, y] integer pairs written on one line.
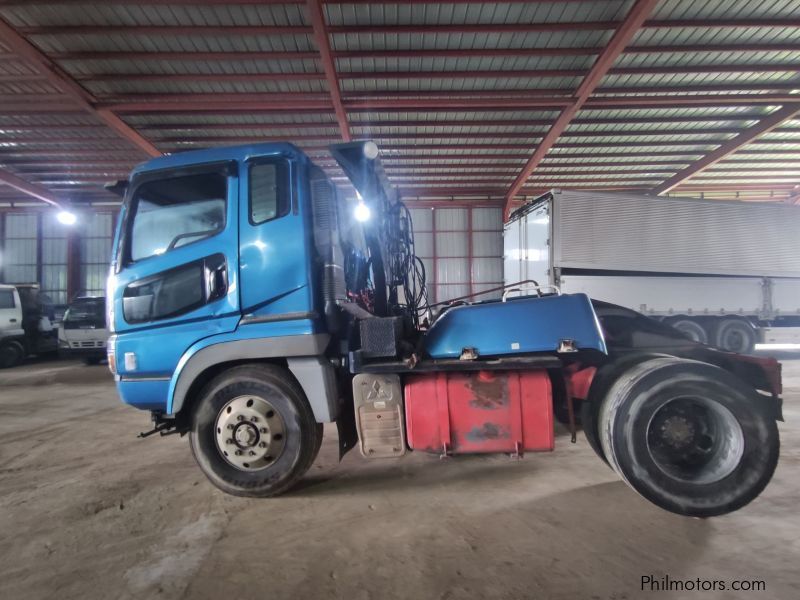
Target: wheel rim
[[695, 440], [250, 433], [734, 339]]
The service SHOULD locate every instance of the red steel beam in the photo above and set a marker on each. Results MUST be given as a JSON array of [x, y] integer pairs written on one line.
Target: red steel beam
[[213, 104], [55, 75], [457, 74], [183, 77], [188, 125], [257, 30], [29, 189], [188, 55], [491, 135], [417, 53], [166, 30], [633, 21], [749, 135]]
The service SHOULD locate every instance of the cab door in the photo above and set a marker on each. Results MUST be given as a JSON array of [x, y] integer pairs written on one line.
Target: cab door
[[275, 263], [175, 271]]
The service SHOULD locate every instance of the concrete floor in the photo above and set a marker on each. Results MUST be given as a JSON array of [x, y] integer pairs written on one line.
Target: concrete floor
[[89, 511]]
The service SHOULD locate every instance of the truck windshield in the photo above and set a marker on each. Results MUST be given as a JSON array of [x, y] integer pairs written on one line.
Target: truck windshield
[[86, 310], [169, 213]]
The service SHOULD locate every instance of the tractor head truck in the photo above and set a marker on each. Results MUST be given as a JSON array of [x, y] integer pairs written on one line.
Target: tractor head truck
[[249, 302]]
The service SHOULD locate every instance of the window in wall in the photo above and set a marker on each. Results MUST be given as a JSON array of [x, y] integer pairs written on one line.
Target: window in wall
[[96, 238], [54, 259], [462, 250], [20, 248]]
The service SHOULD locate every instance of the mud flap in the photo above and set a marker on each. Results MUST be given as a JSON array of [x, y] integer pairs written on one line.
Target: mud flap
[[346, 427]]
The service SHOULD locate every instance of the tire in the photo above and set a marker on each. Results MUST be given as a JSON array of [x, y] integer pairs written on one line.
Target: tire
[[688, 436], [92, 360], [691, 329], [735, 335], [280, 417], [601, 383], [12, 353]]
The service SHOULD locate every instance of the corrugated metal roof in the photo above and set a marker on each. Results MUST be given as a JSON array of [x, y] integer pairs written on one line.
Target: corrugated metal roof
[[454, 96]]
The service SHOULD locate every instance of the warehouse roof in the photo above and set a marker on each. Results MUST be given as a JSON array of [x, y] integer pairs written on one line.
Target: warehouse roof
[[466, 99]]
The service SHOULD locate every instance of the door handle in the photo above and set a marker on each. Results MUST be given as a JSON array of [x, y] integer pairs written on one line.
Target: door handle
[[217, 282], [12, 320]]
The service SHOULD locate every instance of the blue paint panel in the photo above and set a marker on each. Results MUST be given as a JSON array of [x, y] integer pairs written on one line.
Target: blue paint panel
[[244, 332], [516, 327], [147, 395], [275, 259], [159, 349]]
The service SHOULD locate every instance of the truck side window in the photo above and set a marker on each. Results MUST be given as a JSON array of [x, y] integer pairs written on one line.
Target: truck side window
[[6, 299], [269, 191], [172, 212]]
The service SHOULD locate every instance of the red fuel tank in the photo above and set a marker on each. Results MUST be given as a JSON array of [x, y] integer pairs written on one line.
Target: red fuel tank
[[485, 411]]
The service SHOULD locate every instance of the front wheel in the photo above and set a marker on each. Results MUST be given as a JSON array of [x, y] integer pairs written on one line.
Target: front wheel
[[688, 436], [253, 432], [11, 354]]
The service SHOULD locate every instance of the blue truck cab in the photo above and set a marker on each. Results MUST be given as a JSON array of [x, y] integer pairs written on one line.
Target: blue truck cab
[[249, 302], [213, 263]]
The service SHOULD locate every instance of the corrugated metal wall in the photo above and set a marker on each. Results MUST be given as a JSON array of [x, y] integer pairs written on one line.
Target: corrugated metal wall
[[96, 253], [462, 249], [35, 247], [20, 248], [54, 253]]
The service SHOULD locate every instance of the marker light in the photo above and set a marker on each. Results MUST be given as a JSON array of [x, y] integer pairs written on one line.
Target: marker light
[[66, 218], [362, 212], [371, 150]]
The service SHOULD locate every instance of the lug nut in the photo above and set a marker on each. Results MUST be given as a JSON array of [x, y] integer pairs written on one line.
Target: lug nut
[[228, 441], [254, 418], [252, 453], [230, 426], [240, 418], [262, 445], [238, 453], [263, 430]]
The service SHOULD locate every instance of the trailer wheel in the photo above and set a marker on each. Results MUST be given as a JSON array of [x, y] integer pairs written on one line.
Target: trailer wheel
[[253, 432], [689, 437], [691, 329], [735, 335], [11, 354]]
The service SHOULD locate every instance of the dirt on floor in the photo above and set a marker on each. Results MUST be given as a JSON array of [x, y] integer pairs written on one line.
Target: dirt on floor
[[87, 511]]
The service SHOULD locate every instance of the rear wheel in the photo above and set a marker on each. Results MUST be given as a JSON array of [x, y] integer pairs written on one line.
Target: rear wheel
[[253, 432], [691, 329], [92, 360], [735, 335], [11, 354], [601, 383], [688, 436]]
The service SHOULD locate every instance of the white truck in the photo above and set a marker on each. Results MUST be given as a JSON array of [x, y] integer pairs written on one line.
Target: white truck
[[26, 324], [82, 332], [724, 273]]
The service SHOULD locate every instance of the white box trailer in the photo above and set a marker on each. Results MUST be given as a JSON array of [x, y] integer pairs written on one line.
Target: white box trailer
[[725, 273]]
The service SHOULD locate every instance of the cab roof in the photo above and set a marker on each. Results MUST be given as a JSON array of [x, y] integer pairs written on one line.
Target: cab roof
[[213, 155]]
